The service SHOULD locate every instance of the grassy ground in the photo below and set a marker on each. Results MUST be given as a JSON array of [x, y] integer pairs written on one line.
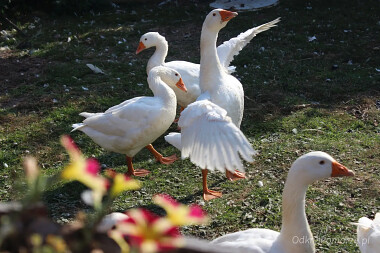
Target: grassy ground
[[301, 95]]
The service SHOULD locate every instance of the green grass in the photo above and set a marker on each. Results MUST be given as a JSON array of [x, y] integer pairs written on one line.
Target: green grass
[[296, 101]]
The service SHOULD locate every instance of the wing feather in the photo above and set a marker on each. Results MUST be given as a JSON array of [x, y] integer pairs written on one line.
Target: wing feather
[[128, 118], [211, 140], [232, 47]]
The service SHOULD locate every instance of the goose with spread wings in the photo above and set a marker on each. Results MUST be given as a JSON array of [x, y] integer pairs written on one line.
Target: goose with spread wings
[[210, 127]]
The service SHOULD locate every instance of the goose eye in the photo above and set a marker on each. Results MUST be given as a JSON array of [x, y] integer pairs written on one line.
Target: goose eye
[[146, 39], [322, 162], [214, 14], [176, 74]]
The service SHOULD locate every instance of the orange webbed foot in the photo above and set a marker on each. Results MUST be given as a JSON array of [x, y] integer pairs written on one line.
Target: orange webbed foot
[[237, 175], [138, 173], [210, 194], [167, 160]]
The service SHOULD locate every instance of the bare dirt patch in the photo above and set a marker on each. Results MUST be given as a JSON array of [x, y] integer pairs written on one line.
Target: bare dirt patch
[[15, 72]]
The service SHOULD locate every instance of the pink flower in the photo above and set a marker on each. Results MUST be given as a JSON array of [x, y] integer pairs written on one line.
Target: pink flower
[[84, 170], [148, 232], [179, 214]]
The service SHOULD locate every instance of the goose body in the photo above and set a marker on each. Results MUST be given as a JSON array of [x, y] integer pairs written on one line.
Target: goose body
[[135, 123], [210, 134], [368, 234], [295, 235], [190, 71]]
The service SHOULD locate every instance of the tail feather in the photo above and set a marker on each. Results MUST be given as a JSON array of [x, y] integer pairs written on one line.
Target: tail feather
[[77, 126], [174, 139], [86, 114]]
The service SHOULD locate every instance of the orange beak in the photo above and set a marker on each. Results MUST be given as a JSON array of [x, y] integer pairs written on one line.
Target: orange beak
[[227, 15], [140, 48], [181, 85], [338, 170]]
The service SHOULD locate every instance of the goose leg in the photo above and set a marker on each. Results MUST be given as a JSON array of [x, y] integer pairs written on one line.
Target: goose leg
[[235, 176], [207, 193], [164, 160], [131, 171]]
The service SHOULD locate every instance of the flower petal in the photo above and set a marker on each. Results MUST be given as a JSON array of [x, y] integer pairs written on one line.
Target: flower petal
[[70, 146], [179, 214], [197, 213], [85, 171], [119, 239], [92, 166], [148, 232], [123, 183], [165, 200]]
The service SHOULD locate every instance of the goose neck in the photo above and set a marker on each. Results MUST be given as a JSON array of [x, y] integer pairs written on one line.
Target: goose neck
[[159, 55], [161, 89], [210, 67], [295, 232]]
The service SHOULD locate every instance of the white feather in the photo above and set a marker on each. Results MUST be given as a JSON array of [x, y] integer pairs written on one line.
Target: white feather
[[109, 221], [368, 234], [133, 124], [174, 139], [229, 49], [210, 139], [304, 171], [76, 126], [190, 71]]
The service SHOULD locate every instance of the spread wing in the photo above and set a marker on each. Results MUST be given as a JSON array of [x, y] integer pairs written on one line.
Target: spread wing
[[232, 47], [211, 140]]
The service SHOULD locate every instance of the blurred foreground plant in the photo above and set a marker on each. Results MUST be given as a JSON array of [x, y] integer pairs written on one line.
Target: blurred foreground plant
[[26, 227]]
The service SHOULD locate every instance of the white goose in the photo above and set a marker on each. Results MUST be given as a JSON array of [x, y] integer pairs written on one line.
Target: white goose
[[190, 71], [295, 235], [368, 234], [135, 123], [210, 133]]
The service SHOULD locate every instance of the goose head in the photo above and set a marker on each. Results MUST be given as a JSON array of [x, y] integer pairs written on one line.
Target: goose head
[[150, 39], [169, 76], [317, 165], [218, 18]]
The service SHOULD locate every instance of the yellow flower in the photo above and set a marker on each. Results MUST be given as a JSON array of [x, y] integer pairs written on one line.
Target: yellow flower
[[122, 183], [148, 232], [179, 214], [57, 243], [119, 239], [84, 170]]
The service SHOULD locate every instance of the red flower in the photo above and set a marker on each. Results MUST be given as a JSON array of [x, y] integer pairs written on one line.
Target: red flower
[[84, 170], [148, 232], [179, 214]]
